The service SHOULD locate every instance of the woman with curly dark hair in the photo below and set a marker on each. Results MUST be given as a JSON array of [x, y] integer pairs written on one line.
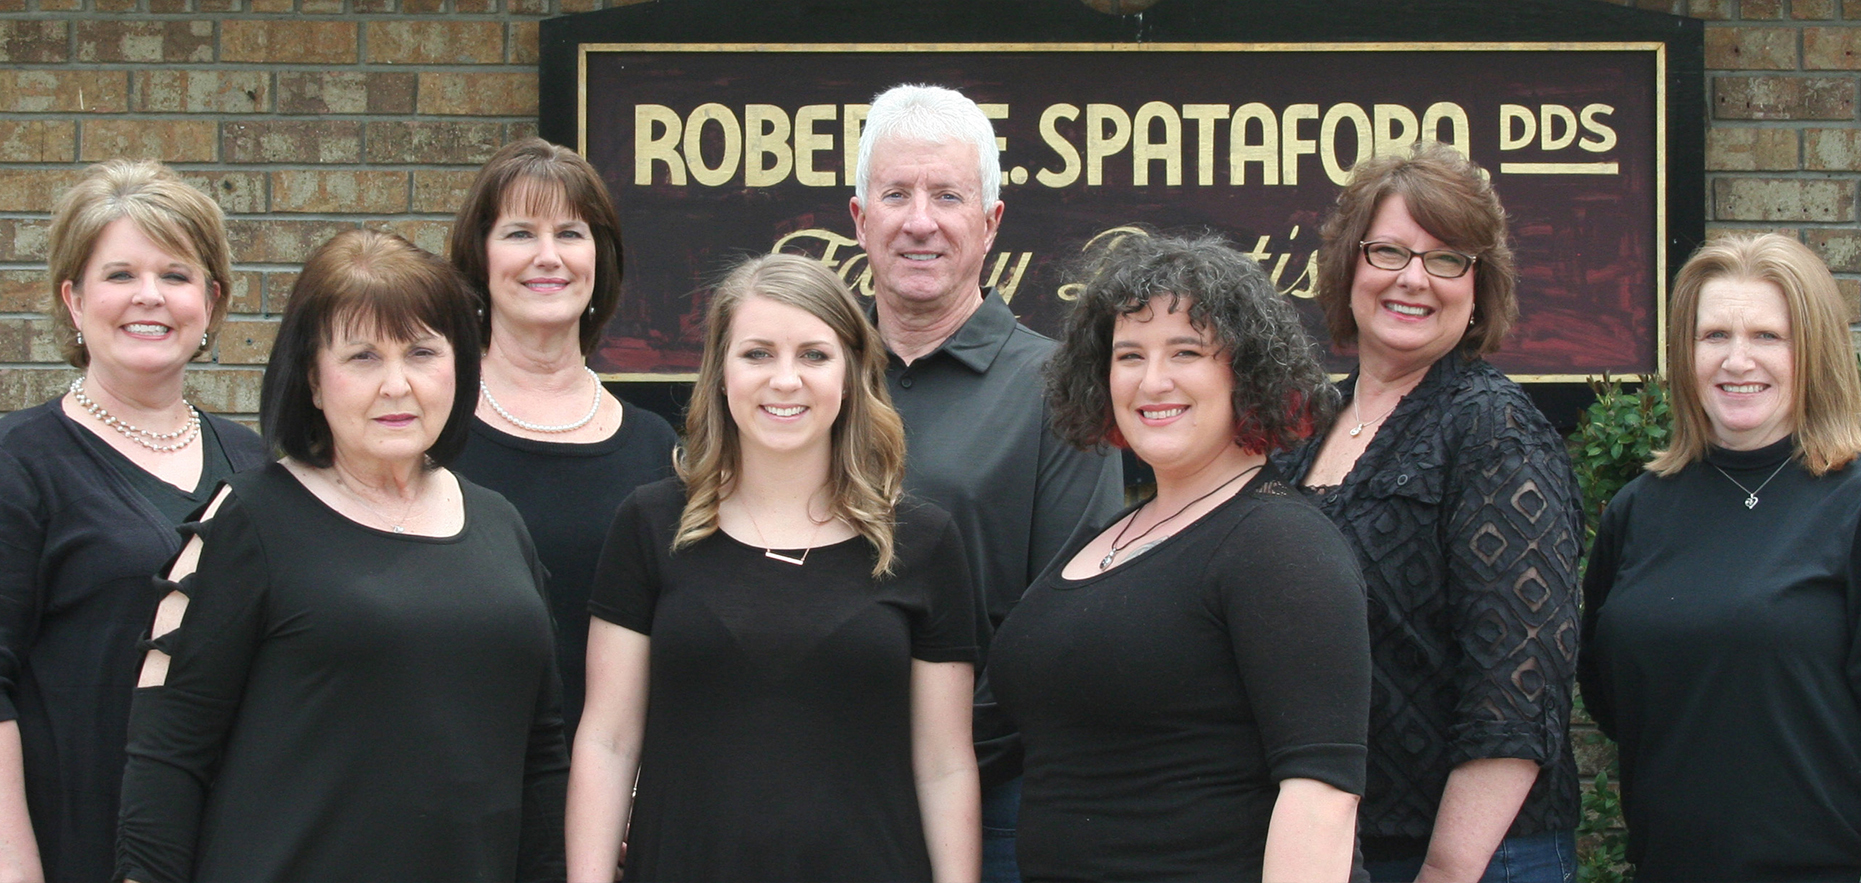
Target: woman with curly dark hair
[[1191, 682]]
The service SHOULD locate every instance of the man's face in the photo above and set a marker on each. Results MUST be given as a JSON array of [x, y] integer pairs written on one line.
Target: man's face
[[924, 226]]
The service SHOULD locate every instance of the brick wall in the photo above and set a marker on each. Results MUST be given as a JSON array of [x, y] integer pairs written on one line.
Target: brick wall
[[303, 117]]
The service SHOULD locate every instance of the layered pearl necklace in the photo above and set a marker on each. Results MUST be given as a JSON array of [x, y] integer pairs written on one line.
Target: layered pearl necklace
[[159, 442], [593, 409]]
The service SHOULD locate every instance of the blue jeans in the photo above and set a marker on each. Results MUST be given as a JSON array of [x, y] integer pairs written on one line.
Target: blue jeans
[[1001, 810], [1550, 857]]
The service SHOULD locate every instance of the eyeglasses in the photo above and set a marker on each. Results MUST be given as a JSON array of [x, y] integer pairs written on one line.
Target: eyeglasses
[[1442, 263]]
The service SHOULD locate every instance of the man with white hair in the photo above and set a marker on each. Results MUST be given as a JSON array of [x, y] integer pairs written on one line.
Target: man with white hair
[[965, 375]]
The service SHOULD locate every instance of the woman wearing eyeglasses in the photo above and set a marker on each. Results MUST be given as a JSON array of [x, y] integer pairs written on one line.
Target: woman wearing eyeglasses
[[1460, 502]]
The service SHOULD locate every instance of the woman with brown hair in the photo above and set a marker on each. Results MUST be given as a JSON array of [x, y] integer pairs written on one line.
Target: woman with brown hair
[[354, 677], [783, 648], [1720, 621], [538, 241], [1458, 497], [92, 486]]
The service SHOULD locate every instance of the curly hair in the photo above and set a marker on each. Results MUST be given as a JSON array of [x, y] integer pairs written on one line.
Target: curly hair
[[1449, 197], [1280, 391], [867, 474]]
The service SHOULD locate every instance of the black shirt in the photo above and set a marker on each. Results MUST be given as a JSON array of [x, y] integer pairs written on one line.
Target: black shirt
[[1721, 653], [567, 494], [778, 722], [1466, 518]]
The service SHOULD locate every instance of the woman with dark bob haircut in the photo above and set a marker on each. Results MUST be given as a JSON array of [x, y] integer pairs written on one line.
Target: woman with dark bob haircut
[[1190, 681], [1459, 500], [92, 486], [354, 677], [539, 245], [1720, 620]]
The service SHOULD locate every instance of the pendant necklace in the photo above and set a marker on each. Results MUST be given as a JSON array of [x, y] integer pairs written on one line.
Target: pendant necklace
[[1115, 548], [1751, 496], [1361, 423], [769, 552], [399, 526]]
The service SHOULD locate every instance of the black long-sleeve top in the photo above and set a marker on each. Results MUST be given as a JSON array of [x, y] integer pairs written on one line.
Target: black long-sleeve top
[[345, 703], [1721, 653], [79, 539], [1466, 518]]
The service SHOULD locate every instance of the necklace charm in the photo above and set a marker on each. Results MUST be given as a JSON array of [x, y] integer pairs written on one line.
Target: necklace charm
[[1362, 423], [1751, 502], [1358, 429], [788, 559], [1105, 562], [1751, 495]]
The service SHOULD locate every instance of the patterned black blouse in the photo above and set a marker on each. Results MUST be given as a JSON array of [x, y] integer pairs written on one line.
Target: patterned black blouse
[[1467, 520]]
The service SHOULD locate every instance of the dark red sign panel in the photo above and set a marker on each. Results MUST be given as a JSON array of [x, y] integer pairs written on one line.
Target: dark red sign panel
[[714, 152]]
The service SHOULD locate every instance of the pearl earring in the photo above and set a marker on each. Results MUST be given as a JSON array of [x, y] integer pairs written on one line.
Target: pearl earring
[[203, 340], [80, 338]]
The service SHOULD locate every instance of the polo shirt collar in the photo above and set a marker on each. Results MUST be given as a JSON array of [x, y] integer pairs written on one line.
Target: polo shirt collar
[[981, 338]]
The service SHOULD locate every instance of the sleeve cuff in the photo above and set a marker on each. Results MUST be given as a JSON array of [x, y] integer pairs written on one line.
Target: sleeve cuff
[[1479, 740], [967, 654], [1338, 764]]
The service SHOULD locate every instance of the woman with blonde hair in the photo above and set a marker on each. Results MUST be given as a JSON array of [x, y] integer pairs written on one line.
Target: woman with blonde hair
[[92, 486], [782, 647], [1721, 617]]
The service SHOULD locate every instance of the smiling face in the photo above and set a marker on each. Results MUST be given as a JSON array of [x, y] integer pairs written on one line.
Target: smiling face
[[784, 378], [1171, 390], [1744, 362], [386, 400], [140, 309], [1406, 317], [539, 262], [924, 225]]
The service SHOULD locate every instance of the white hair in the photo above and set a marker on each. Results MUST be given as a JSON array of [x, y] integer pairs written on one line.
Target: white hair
[[936, 115]]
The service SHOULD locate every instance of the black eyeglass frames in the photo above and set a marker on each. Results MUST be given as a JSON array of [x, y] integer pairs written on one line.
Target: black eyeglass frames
[[1441, 263]]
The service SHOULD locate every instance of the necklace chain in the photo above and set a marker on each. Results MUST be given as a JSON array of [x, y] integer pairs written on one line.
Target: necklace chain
[[159, 442], [593, 409], [1115, 548], [1361, 423], [399, 526], [1751, 496], [769, 551]]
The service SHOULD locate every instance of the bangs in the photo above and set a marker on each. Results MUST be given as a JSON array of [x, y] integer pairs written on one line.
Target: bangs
[[1448, 212], [539, 192], [397, 312]]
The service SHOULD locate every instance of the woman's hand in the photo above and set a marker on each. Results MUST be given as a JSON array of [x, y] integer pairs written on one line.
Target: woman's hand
[[19, 849], [606, 760], [943, 765], [1312, 834], [1477, 807]]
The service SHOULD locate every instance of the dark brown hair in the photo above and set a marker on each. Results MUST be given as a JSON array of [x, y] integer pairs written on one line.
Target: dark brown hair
[[379, 280], [1450, 198], [546, 176]]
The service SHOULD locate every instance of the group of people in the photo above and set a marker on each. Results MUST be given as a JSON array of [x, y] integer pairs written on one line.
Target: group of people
[[881, 612]]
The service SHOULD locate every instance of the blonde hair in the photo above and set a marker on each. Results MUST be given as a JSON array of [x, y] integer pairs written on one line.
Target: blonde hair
[[1826, 398], [180, 220], [867, 469]]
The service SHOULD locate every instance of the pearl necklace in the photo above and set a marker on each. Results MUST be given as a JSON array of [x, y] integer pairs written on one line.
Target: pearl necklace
[[593, 409], [159, 442]]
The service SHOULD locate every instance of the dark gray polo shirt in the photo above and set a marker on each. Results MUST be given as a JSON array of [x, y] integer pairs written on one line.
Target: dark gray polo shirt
[[978, 445]]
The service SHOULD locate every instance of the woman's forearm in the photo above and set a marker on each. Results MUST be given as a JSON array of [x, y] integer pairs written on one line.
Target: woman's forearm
[[943, 765], [19, 849], [599, 803], [1312, 834], [1477, 807]]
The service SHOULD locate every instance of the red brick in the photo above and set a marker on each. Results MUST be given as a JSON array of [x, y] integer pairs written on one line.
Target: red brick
[[34, 42], [269, 5], [34, 190], [23, 240], [25, 387], [24, 291], [170, 141], [440, 191], [478, 94], [1840, 249], [276, 41], [1769, 49], [1851, 10], [318, 93], [523, 42], [320, 7], [430, 235], [63, 91], [435, 41], [436, 143], [28, 340], [42, 141], [474, 7], [224, 390], [273, 241], [1783, 199], [422, 7], [201, 91], [520, 131], [290, 141], [114, 5], [216, 5], [12, 5], [240, 193], [247, 291], [1747, 149], [166, 7], [1832, 150], [339, 192], [541, 7], [278, 291], [147, 42], [1832, 48], [1850, 290], [1760, 9], [1783, 98], [1812, 9], [371, 7], [60, 5], [246, 341], [1715, 10]]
